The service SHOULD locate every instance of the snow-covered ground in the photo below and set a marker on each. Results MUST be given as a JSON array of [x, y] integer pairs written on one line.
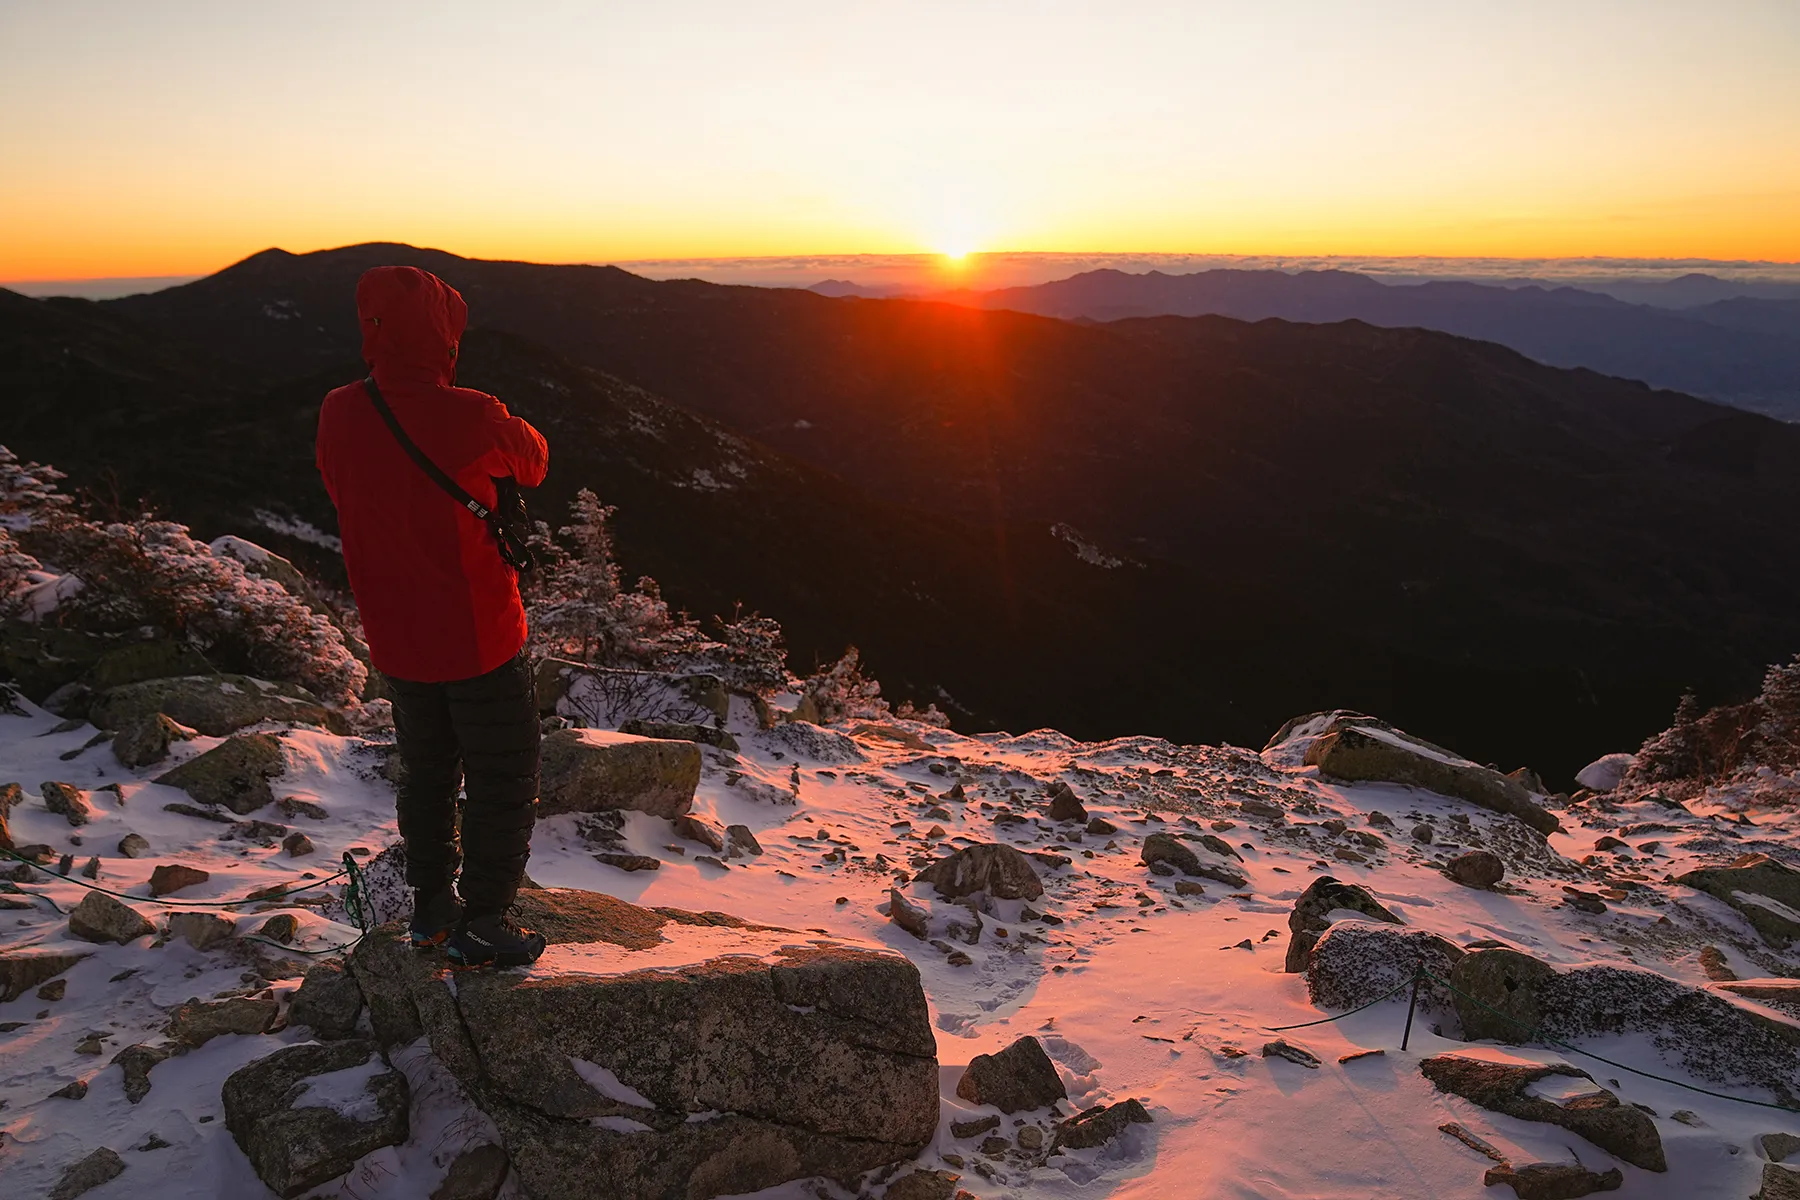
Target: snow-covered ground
[[1134, 992]]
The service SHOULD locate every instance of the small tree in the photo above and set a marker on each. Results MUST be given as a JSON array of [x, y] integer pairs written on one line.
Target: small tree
[[752, 652], [843, 692], [1678, 752], [1780, 705]]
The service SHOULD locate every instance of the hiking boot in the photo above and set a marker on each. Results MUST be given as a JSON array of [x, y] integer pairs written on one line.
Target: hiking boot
[[493, 941], [435, 915]]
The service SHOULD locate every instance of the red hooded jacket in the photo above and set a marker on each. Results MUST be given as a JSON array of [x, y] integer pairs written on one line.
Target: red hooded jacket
[[437, 602]]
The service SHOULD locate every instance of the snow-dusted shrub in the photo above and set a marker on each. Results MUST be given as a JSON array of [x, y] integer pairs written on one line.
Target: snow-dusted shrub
[[579, 609], [844, 693], [752, 653], [16, 571], [146, 572], [1709, 746], [28, 491]]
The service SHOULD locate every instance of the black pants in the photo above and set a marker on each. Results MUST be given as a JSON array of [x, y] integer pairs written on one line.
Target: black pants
[[486, 729]]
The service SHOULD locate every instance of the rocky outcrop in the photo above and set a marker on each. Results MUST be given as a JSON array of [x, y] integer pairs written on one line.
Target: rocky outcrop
[[640, 1058], [235, 773], [1312, 915], [1767, 892], [606, 698], [1704, 1032], [995, 870], [1357, 962], [588, 770], [1017, 1079], [1358, 749], [200, 1021], [100, 918], [1619, 1129], [305, 1114], [1779, 1183], [214, 705]]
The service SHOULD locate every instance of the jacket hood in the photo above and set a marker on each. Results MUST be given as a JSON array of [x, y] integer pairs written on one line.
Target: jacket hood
[[412, 322]]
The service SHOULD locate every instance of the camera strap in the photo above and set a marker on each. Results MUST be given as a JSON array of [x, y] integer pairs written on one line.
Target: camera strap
[[437, 473]]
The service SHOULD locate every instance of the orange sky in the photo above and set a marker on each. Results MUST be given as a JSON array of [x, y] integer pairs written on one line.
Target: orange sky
[[174, 139]]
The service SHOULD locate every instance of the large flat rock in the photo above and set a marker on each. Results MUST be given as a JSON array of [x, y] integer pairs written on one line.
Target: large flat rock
[[214, 705], [655, 1052], [587, 770], [1359, 749], [1767, 892]]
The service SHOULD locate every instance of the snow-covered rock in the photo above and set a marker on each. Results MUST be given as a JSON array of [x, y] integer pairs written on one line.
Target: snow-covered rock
[[1605, 773]]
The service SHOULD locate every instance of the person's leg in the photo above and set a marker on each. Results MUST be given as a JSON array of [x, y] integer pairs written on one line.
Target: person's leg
[[426, 803], [496, 722]]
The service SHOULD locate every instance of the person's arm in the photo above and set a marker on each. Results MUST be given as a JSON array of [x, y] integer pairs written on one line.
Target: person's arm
[[521, 448], [320, 455]]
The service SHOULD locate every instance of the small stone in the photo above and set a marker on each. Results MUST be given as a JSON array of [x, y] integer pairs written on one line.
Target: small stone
[[1779, 1183], [975, 1127], [135, 1062], [293, 808], [145, 741], [1018, 1078], [200, 930], [1554, 1181], [1100, 1124], [1065, 805], [696, 830], [91, 870], [97, 1168], [133, 846], [1423, 833], [957, 958], [93, 1043], [1282, 1048], [54, 990], [993, 1146], [297, 844], [1031, 1137], [710, 861], [100, 918], [907, 916], [1358, 1055], [1187, 887], [1100, 826], [279, 928], [635, 862], [740, 842], [173, 877], [1477, 869], [67, 802], [71, 1091]]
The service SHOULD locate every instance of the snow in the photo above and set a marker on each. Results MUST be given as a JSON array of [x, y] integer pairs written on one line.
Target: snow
[[238, 548], [294, 527], [345, 1092], [1138, 993], [1604, 774], [603, 1081]]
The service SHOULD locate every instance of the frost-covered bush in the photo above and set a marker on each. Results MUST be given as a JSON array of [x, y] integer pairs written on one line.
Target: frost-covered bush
[[1702, 747], [844, 693], [144, 574], [148, 572], [579, 609]]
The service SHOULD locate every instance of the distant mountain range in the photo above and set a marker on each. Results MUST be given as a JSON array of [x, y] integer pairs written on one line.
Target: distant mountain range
[[1188, 526], [1734, 342]]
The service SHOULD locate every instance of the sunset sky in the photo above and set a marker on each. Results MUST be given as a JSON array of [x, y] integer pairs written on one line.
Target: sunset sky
[[175, 138]]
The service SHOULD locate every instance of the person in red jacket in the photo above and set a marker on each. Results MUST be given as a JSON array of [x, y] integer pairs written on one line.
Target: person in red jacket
[[441, 610]]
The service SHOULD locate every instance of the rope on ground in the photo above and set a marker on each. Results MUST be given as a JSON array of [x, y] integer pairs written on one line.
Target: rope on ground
[[1562, 1045], [270, 897], [353, 903], [1404, 984]]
